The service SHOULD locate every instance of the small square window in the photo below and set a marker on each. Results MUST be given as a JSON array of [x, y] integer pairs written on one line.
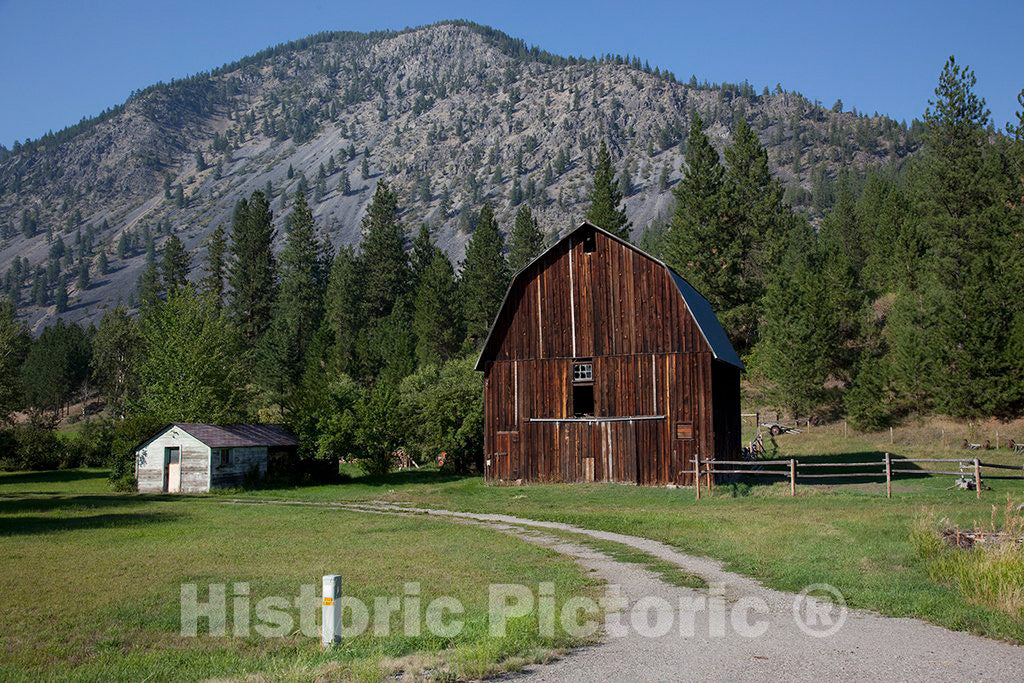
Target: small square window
[[589, 243], [582, 373], [223, 455]]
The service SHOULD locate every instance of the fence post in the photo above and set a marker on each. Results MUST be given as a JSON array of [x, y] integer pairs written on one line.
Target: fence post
[[888, 476], [977, 478], [890, 435], [696, 474], [845, 434], [792, 477]]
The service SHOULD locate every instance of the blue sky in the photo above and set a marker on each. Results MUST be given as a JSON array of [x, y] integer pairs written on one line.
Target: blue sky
[[61, 60]]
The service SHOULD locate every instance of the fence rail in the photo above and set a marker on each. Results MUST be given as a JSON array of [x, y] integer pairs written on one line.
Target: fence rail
[[970, 467]]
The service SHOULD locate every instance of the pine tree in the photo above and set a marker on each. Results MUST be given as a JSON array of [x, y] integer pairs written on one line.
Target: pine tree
[[102, 264], [298, 309], [62, 295], [437, 321], [961, 203], [605, 198], [386, 266], [797, 331], [344, 184], [485, 276], [364, 168], [701, 242], [213, 283], [526, 241], [252, 270], [176, 264], [83, 275], [148, 286], [422, 253], [13, 345], [343, 309]]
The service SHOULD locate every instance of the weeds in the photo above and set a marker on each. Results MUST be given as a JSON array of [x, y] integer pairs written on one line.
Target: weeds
[[990, 570]]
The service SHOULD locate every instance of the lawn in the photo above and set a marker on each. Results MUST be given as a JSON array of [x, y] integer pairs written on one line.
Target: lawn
[[91, 583], [845, 534]]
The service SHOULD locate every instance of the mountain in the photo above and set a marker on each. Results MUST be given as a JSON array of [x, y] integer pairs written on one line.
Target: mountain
[[451, 115]]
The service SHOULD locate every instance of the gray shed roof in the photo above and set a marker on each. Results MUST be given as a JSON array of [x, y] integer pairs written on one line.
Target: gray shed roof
[[700, 308], [238, 435]]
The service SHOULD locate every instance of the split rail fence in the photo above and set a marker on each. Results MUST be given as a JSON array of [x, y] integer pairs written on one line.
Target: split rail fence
[[794, 470]]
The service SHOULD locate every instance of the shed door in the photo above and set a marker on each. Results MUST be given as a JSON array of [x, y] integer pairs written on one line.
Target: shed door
[[172, 469]]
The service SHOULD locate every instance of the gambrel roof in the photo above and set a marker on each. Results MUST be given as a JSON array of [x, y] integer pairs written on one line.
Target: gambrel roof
[[699, 307]]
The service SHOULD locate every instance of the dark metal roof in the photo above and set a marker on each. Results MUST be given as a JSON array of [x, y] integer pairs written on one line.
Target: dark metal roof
[[237, 436], [707, 322]]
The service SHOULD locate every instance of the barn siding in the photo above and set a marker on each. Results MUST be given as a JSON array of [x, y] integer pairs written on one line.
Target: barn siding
[[195, 459], [243, 461], [623, 310]]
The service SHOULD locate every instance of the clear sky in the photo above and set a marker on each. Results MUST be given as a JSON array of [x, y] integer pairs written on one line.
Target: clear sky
[[61, 60]]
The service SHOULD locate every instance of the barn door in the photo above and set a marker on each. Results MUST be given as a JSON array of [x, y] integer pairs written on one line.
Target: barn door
[[172, 469], [619, 452]]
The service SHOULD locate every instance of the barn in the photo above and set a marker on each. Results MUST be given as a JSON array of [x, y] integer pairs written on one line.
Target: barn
[[604, 364], [190, 457]]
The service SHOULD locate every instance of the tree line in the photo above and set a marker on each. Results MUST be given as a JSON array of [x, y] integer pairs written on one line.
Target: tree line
[[359, 351], [904, 300]]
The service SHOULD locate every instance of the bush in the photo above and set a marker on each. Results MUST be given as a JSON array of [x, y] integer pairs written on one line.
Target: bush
[[323, 417], [127, 434], [380, 430], [29, 447], [443, 407]]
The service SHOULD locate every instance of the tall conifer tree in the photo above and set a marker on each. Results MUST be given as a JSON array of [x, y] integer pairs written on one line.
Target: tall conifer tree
[[485, 276], [252, 270], [606, 196], [526, 240]]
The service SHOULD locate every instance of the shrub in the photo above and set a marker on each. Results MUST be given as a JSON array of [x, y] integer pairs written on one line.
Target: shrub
[[127, 434], [443, 407], [323, 417], [380, 430], [29, 447]]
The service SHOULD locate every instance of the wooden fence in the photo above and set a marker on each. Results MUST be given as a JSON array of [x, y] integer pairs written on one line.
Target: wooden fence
[[793, 470]]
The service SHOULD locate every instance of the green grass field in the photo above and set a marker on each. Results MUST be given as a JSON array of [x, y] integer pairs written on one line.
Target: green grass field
[[846, 534], [91, 584], [92, 579]]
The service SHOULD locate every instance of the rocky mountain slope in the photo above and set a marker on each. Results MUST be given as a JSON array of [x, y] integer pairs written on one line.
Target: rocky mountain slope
[[451, 115]]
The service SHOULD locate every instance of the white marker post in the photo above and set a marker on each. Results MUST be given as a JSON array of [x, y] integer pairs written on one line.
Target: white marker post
[[330, 612]]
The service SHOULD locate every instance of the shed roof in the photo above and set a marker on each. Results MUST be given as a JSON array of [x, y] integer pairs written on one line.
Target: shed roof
[[700, 308], [236, 435]]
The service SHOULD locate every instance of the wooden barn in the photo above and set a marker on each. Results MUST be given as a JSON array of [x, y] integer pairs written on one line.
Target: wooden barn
[[604, 364], [190, 457]]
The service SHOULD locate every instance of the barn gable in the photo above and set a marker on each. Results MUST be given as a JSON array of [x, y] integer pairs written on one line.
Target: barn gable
[[634, 302]]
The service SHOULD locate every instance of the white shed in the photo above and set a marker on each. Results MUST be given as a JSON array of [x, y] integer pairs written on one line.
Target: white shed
[[192, 457]]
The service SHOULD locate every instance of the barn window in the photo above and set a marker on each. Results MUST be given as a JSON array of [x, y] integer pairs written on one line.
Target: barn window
[[589, 243], [582, 372], [582, 389], [222, 455]]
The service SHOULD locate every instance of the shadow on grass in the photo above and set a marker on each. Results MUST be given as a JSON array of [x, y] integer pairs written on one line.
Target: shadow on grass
[[18, 503], [409, 477], [818, 473], [50, 476], [31, 525]]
